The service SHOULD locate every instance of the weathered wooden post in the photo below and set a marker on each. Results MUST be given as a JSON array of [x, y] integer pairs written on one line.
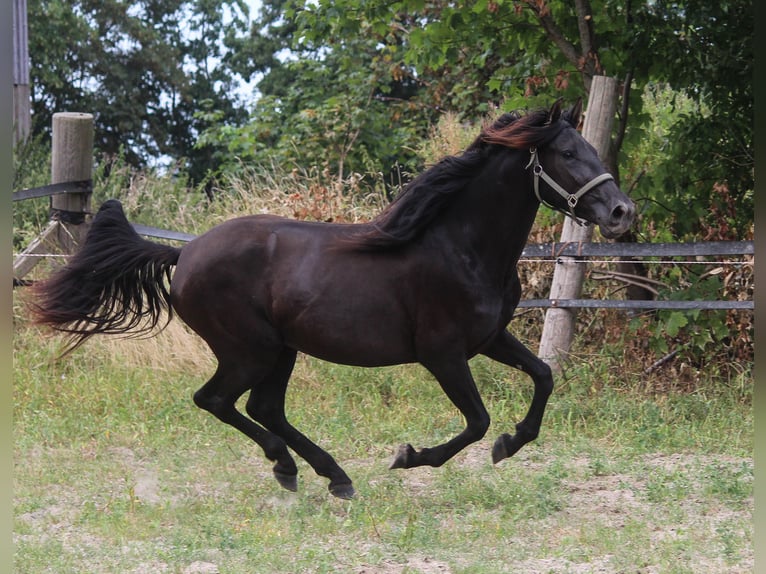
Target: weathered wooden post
[[71, 160], [569, 274]]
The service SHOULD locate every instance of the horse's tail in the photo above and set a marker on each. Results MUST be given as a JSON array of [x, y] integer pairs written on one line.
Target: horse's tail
[[117, 283]]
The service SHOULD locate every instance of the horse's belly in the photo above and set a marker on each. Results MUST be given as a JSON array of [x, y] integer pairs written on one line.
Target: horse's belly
[[352, 334], [373, 349], [357, 356]]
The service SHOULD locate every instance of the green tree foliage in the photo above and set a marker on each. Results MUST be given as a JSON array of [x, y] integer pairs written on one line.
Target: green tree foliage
[[342, 107], [703, 183], [519, 52], [342, 113], [354, 85], [143, 68]]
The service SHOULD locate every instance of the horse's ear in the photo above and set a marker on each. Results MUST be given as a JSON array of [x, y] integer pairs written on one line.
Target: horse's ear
[[575, 113], [555, 112]]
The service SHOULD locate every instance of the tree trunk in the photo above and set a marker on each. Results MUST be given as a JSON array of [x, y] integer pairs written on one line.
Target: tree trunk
[[569, 274]]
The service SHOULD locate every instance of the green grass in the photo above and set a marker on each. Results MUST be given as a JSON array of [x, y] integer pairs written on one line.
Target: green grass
[[117, 471]]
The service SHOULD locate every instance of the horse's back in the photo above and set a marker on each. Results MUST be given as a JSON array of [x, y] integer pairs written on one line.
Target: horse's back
[[294, 283]]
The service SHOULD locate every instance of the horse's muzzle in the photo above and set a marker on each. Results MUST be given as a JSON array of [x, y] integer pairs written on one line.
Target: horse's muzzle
[[619, 220]]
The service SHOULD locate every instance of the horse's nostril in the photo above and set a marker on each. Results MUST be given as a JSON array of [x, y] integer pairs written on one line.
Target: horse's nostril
[[621, 212]]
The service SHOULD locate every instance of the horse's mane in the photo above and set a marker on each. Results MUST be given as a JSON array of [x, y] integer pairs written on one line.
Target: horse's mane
[[418, 204]]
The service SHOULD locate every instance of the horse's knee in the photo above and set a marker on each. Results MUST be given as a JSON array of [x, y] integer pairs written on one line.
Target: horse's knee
[[211, 403], [263, 412], [543, 377], [479, 426], [255, 410]]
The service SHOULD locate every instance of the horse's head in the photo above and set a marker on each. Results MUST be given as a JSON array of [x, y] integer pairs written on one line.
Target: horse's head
[[569, 177]]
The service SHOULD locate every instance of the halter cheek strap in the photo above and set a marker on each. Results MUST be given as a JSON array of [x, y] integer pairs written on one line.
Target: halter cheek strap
[[572, 198]]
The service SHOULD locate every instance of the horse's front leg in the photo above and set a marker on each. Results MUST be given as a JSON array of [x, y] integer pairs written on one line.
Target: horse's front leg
[[456, 380], [510, 351]]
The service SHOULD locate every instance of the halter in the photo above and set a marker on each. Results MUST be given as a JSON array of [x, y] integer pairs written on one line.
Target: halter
[[572, 198]]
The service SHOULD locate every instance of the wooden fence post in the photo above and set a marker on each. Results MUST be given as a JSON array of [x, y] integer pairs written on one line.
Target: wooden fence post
[[71, 160], [569, 274]]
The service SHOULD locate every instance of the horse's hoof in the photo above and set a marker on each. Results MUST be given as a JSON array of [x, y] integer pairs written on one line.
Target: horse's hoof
[[404, 457], [288, 481], [500, 448], [343, 491]]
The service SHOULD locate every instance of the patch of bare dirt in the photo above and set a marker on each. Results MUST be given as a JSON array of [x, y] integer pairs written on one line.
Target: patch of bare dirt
[[411, 566], [146, 486], [561, 566]]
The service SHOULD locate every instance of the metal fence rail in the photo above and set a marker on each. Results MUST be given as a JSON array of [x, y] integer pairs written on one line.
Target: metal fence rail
[[698, 249], [636, 305], [53, 189], [551, 251]]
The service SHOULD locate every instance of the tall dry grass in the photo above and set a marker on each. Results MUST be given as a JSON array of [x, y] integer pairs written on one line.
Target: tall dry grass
[[300, 194]]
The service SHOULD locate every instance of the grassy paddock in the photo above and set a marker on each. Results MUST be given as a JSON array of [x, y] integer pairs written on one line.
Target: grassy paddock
[[117, 471]]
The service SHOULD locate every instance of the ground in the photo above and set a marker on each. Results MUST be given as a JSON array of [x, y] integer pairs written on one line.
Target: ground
[[594, 500]]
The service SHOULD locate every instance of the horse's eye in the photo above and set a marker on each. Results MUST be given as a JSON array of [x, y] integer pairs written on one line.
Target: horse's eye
[[567, 154]]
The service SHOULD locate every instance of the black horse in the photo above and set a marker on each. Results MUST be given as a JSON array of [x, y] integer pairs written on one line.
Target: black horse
[[431, 280]]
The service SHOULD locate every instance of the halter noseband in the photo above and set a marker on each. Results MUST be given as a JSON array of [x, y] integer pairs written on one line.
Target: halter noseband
[[572, 198]]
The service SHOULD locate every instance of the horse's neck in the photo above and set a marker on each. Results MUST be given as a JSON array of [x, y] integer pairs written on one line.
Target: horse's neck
[[493, 217]]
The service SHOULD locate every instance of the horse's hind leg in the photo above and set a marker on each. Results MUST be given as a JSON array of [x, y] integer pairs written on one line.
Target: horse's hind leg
[[219, 395], [266, 405], [510, 351]]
